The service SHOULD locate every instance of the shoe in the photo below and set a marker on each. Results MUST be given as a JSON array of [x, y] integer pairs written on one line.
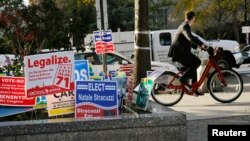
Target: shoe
[[198, 93]]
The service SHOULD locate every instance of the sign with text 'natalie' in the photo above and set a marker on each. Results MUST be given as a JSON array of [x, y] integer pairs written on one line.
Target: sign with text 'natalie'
[[49, 73], [96, 99]]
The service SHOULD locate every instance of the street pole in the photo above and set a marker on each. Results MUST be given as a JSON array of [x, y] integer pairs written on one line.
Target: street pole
[[142, 46], [245, 14], [102, 23]]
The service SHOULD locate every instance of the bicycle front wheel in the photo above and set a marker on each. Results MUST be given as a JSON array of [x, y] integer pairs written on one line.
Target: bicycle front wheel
[[163, 94], [227, 91]]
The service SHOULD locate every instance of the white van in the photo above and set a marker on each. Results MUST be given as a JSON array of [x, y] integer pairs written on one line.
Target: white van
[[161, 40]]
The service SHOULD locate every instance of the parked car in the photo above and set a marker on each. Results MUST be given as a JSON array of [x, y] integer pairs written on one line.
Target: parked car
[[246, 54], [118, 62]]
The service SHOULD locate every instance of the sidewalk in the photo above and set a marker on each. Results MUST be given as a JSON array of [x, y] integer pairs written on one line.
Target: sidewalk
[[204, 107], [204, 110]]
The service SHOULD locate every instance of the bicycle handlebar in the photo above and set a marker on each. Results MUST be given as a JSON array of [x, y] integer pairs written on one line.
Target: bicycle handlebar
[[210, 51]]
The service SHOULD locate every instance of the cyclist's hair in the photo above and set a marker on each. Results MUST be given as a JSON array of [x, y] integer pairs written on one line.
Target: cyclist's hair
[[189, 15]]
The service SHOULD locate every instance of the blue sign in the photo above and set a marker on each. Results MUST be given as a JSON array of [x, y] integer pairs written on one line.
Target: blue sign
[[96, 99], [112, 73], [8, 111], [121, 86], [81, 70], [103, 35]]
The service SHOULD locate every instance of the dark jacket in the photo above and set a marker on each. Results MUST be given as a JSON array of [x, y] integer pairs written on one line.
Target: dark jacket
[[182, 42]]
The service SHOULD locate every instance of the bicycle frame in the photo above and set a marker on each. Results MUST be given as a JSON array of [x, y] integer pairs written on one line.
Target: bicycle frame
[[211, 64]]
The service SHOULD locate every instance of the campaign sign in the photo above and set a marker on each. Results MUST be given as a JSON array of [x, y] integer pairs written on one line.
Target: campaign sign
[[121, 90], [130, 83], [96, 99], [12, 92], [81, 70], [103, 47], [12, 86], [8, 111], [145, 88], [41, 102], [61, 103], [49, 73], [103, 35], [103, 41]]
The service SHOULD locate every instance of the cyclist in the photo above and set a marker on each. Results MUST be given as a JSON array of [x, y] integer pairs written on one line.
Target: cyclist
[[180, 50]]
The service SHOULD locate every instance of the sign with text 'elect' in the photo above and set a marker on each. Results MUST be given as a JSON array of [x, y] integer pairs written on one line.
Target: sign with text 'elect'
[[96, 99]]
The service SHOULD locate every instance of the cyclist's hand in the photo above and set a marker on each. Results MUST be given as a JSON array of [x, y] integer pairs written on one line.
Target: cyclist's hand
[[204, 47]]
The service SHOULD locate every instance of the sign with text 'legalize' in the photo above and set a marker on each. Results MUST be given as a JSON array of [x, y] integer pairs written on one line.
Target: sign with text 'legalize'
[[96, 99], [49, 73], [12, 92]]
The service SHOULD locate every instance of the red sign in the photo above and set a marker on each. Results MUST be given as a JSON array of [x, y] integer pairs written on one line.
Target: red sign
[[49, 73], [130, 88], [12, 86], [12, 92], [104, 47], [63, 76]]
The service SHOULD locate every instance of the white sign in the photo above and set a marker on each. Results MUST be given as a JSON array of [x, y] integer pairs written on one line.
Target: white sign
[[61, 103], [103, 35], [245, 29], [49, 73]]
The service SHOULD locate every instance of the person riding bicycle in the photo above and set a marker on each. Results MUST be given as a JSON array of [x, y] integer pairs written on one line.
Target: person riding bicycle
[[180, 50]]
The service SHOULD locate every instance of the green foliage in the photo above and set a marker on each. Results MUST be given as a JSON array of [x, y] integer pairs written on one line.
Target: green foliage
[[83, 19], [213, 16], [158, 13], [16, 69], [121, 14]]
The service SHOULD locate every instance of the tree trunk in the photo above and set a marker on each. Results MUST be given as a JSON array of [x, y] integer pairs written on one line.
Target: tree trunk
[[142, 50]]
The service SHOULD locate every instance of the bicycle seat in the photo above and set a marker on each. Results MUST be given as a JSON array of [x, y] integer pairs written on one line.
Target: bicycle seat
[[182, 68]]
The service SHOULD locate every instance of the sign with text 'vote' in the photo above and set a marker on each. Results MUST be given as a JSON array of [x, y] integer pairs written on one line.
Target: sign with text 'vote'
[[12, 92], [96, 99]]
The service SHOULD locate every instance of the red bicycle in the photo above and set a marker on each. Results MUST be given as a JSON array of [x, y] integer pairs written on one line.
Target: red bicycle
[[224, 85]]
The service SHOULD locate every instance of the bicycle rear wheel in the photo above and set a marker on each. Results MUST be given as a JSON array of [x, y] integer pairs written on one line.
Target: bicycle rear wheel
[[161, 92], [225, 93]]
